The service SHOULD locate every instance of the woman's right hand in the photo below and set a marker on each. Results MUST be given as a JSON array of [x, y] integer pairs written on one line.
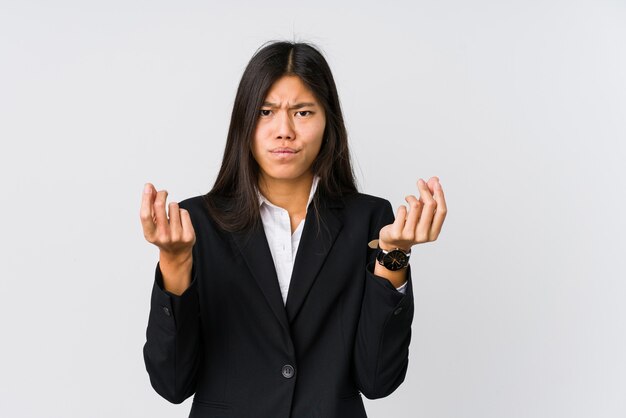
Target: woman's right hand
[[174, 236]]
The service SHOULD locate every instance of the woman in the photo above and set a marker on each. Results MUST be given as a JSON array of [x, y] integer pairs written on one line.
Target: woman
[[267, 300]]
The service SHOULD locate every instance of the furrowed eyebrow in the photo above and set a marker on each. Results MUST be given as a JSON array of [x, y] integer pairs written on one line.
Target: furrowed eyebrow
[[296, 106]]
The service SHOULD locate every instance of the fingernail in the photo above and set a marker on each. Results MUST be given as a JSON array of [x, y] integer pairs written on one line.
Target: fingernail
[[146, 188]]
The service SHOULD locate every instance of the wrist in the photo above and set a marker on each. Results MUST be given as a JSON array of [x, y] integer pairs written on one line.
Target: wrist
[[176, 272], [175, 259], [387, 247]]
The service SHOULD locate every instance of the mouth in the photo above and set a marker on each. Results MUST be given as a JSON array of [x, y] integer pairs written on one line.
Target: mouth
[[281, 151]]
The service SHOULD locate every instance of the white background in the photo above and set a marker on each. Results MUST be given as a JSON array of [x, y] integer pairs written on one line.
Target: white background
[[518, 106]]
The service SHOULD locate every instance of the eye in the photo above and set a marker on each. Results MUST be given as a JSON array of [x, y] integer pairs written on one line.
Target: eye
[[262, 112], [305, 111]]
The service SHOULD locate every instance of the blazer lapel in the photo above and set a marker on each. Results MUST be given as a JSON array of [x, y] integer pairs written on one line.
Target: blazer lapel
[[316, 241], [256, 253]]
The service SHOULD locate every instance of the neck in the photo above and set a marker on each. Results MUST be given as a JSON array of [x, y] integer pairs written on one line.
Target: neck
[[292, 195]]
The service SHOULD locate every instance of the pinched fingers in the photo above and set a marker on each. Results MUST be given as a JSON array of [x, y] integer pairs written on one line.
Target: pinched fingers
[[398, 224], [154, 221], [176, 228], [146, 213], [181, 228], [189, 235], [423, 221], [393, 235], [158, 210], [415, 210], [171, 231], [428, 211], [440, 214]]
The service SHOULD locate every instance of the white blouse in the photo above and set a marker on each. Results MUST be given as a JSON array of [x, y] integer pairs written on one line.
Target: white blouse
[[283, 244]]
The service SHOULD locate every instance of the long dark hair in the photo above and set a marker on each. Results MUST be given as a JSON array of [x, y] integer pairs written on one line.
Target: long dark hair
[[233, 202]]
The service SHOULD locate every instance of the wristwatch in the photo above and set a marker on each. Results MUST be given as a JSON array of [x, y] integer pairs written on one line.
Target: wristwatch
[[393, 260]]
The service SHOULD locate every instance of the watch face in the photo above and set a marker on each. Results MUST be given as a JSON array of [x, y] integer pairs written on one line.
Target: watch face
[[395, 260]]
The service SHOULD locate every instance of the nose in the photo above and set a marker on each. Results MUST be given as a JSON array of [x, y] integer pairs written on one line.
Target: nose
[[284, 127]]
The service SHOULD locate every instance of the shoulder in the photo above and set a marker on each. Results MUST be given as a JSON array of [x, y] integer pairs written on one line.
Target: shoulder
[[203, 209], [372, 210], [198, 208], [194, 204], [366, 201], [362, 208]]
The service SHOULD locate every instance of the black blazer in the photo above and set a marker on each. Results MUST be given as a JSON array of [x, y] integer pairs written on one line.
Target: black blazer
[[230, 339]]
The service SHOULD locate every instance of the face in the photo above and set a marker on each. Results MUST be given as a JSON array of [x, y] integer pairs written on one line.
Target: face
[[289, 131]]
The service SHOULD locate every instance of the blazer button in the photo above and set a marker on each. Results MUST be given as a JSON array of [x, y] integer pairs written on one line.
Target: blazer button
[[166, 310], [288, 371], [397, 311]]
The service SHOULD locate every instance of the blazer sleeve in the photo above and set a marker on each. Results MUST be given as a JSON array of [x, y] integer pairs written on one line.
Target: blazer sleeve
[[381, 350], [172, 349], [172, 352]]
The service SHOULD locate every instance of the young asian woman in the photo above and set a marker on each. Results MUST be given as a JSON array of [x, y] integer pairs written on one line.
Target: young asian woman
[[267, 299]]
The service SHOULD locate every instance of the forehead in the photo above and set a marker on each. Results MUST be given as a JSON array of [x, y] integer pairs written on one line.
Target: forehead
[[289, 88]]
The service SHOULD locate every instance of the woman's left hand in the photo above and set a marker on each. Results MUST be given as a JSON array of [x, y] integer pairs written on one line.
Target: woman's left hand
[[422, 223]]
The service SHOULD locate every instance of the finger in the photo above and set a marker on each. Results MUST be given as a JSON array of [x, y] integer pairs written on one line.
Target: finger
[[431, 184], [440, 214], [398, 224], [426, 194], [422, 231], [411, 220], [162, 223], [145, 213], [189, 234], [176, 228]]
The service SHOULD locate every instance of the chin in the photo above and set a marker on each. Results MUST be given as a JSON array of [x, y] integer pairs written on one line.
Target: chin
[[284, 176]]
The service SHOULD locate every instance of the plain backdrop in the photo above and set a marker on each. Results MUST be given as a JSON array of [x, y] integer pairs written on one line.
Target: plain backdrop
[[518, 106]]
